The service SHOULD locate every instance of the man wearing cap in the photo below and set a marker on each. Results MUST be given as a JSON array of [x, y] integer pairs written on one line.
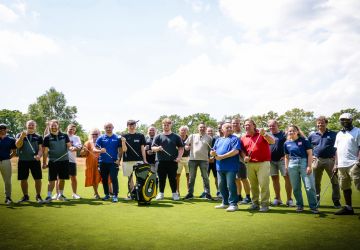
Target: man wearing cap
[[323, 141], [347, 146], [29, 149], [133, 151], [7, 150]]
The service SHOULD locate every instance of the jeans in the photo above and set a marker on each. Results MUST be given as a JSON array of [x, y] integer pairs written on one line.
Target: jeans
[[227, 187], [297, 171], [204, 165], [111, 169]]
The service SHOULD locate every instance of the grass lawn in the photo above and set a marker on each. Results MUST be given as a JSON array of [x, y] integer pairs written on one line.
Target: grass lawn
[[195, 224]]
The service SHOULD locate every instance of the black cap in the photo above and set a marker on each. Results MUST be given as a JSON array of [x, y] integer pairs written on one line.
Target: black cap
[[131, 122], [3, 125]]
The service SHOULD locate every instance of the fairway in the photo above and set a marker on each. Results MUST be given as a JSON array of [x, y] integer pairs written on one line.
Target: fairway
[[195, 224]]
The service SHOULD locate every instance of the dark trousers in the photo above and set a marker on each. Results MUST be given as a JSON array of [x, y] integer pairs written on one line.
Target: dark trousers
[[167, 169], [111, 169]]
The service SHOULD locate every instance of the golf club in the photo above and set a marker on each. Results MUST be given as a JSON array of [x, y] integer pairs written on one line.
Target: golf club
[[105, 152], [30, 144], [60, 157], [163, 150], [326, 188]]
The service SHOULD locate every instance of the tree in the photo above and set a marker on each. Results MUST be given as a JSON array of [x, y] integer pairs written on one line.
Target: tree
[[305, 120], [261, 121], [176, 122], [334, 123], [192, 121], [52, 105], [14, 119]]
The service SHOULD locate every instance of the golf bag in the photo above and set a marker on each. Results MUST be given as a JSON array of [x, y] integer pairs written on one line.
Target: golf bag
[[146, 184]]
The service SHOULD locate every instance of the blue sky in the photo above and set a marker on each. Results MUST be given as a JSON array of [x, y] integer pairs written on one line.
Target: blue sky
[[117, 60]]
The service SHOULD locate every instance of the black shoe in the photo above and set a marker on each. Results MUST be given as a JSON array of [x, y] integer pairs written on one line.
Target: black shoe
[[39, 199], [208, 196], [202, 195], [188, 197], [8, 200], [345, 211], [48, 199], [25, 198], [337, 204]]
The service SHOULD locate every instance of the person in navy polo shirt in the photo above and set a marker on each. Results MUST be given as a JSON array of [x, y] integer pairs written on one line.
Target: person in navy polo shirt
[[7, 150], [323, 141], [298, 159], [109, 147]]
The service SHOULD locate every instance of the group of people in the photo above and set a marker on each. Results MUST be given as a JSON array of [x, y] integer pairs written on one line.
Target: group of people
[[238, 160]]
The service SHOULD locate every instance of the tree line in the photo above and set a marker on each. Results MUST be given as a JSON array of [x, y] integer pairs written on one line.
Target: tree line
[[53, 105]]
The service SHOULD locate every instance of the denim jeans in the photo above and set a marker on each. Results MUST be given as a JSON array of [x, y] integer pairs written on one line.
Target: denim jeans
[[111, 169], [297, 171], [204, 165], [227, 187]]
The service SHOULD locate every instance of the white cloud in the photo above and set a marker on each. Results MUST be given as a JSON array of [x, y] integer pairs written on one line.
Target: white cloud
[[198, 6], [15, 44], [189, 31], [7, 15], [20, 7]]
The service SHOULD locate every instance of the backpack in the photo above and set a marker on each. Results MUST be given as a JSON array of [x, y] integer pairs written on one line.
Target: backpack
[[146, 184]]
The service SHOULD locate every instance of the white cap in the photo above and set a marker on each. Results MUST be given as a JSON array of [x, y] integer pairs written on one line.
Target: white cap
[[346, 116]]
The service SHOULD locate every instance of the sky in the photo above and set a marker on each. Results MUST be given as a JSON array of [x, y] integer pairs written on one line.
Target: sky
[[140, 59]]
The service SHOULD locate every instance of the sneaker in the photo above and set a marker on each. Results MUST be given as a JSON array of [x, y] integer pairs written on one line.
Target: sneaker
[[202, 195], [314, 210], [246, 200], [96, 197], [39, 199], [159, 196], [175, 196], [345, 211], [299, 209], [264, 209], [218, 194], [25, 198], [254, 207], [337, 204], [111, 194], [55, 197], [208, 196], [62, 197], [106, 198], [115, 199], [277, 202], [128, 198], [189, 197], [232, 208], [76, 196], [48, 199], [8, 200], [221, 206], [290, 203]]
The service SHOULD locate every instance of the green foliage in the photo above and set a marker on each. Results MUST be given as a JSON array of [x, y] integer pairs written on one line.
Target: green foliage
[[262, 120], [52, 105], [14, 119], [334, 123], [305, 120]]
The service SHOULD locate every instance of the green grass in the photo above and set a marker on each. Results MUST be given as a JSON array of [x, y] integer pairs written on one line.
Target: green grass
[[92, 224]]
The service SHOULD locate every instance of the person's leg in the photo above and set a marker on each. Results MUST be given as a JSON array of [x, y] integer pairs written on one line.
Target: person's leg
[[295, 179], [203, 169], [73, 183], [238, 188], [318, 169], [114, 178], [162, 175], [252, 175], [5, 168], [23, 175], [355, 175], [178, 175], [223, 187], [274, 173], [104, 172], [264, 182], [309, 185], [187, 172], [245, 181], [172, 175], [334, 181], [288, 187], [230, 180], [37, 175], [61, 185], [192, 171]]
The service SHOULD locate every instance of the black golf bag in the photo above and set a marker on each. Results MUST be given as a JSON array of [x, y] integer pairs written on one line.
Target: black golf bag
[[146, 185]]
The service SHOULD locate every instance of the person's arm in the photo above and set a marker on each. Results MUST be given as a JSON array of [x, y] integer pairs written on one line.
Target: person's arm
[[286, 159], [40, 153], [123, 144], [269, 138], [180, 153], [227, 155], [143, 153], [45, 157], [20, 141], [309, 161]]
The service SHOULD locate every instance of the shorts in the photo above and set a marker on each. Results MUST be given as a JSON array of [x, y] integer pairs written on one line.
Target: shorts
[[24, 167], [72, 169], [183, 163], [58, 169], [346, 175], [276, 166], [242, 173], [128, 167]]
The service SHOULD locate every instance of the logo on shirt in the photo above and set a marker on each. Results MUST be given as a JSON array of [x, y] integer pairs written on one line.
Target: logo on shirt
[[300, 143]]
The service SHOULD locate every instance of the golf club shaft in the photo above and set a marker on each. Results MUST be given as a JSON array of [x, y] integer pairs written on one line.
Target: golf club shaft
[[326, 188], [254, 145], [30, 144], [163, 150], [60, 157]]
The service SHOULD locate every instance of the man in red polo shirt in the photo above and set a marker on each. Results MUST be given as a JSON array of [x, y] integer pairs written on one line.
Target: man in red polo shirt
[[257, 156]]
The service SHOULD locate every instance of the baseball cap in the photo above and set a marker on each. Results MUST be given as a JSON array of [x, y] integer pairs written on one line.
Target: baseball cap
[[3, 125], [347, 116], [131, 122]]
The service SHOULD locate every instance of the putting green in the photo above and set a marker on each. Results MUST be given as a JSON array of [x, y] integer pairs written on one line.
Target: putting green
[[195, 224]]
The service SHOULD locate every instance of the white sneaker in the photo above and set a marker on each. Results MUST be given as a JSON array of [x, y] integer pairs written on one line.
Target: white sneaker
[[61, 197], [277, 202], [264, 209], [159, 196], [76, 196], [222, 206], [175, 196], [290, 203], [232, 208], [55, 197]]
